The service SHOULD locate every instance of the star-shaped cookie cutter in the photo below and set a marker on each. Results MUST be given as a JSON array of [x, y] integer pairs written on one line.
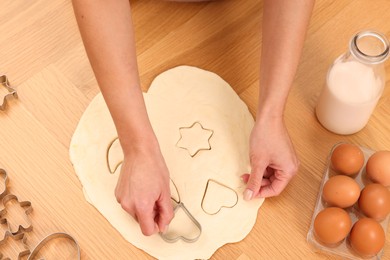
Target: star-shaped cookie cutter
[[180, 204], [11, 91]]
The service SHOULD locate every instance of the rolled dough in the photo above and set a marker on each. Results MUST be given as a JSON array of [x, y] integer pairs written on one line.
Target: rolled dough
[[177, 98]]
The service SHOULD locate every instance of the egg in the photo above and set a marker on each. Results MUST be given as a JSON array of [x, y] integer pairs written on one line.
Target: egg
[[374, 201], [341, 191], [367, 237], [378, 168], [347, 159], [332, 225]]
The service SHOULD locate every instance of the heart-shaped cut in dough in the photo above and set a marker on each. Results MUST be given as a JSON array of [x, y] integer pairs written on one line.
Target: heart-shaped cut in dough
[[217, 196]]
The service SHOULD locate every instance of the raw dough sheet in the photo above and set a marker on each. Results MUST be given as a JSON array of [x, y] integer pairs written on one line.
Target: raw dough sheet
[[179, 102]]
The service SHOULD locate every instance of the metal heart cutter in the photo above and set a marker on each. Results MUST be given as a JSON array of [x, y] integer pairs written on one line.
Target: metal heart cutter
[[194, 231]]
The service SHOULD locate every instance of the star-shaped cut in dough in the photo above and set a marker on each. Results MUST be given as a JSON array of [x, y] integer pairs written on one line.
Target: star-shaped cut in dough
[[194, 138]]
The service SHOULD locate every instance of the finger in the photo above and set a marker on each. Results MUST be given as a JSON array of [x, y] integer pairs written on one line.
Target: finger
[[165, 213], [128, 206], [268, 172], [245, 179], [146, 221], [254, 183], [276, 186], [265, 182]]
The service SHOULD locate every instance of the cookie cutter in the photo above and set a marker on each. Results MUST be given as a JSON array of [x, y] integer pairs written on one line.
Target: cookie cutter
[[199, 149], [54, 236], [180, 205], [180, 237], [3, 191], [20, 236], [223, 185], [4, 180], [11, 91], [5, 230], [23, 204]]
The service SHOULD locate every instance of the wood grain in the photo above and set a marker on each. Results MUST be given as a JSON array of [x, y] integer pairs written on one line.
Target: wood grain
[[42, 54]]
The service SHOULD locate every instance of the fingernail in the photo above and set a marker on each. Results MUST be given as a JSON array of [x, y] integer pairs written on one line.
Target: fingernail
[[248, 194]]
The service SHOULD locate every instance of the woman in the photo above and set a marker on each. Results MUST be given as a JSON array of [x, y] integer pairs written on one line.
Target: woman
[[143, 185]]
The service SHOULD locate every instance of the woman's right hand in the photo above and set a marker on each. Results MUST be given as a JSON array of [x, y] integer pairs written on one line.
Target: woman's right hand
[[143, 190], [143, 185]]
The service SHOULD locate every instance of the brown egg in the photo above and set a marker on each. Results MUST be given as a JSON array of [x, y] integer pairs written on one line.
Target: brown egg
[[341, 191], [374, 201], [347, 159], [378, 168], [367, 237], [332, 225]]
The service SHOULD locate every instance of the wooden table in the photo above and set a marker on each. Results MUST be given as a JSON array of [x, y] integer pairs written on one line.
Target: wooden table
[[42, 53]]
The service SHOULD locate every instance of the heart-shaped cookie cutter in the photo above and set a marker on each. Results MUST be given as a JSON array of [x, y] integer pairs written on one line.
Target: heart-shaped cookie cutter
[[180, 205], [180, 237], [11, 91]]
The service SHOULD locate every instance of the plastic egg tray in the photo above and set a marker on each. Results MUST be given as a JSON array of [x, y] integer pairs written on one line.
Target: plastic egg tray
[[343, 249]]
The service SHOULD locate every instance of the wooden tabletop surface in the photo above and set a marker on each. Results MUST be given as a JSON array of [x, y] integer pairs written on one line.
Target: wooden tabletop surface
[[43, 56]]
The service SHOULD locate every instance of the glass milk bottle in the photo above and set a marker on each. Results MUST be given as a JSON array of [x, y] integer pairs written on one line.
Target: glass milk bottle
[[354, 84]]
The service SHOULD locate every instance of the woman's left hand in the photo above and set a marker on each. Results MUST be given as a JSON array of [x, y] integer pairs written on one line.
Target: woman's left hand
[[272, 157]]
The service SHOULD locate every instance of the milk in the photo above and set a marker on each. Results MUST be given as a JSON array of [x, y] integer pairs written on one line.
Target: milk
[[351, 93]]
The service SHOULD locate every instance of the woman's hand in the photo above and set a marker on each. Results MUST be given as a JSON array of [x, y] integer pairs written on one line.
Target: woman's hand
[[272, 154], [143, 190], [273, 160]]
